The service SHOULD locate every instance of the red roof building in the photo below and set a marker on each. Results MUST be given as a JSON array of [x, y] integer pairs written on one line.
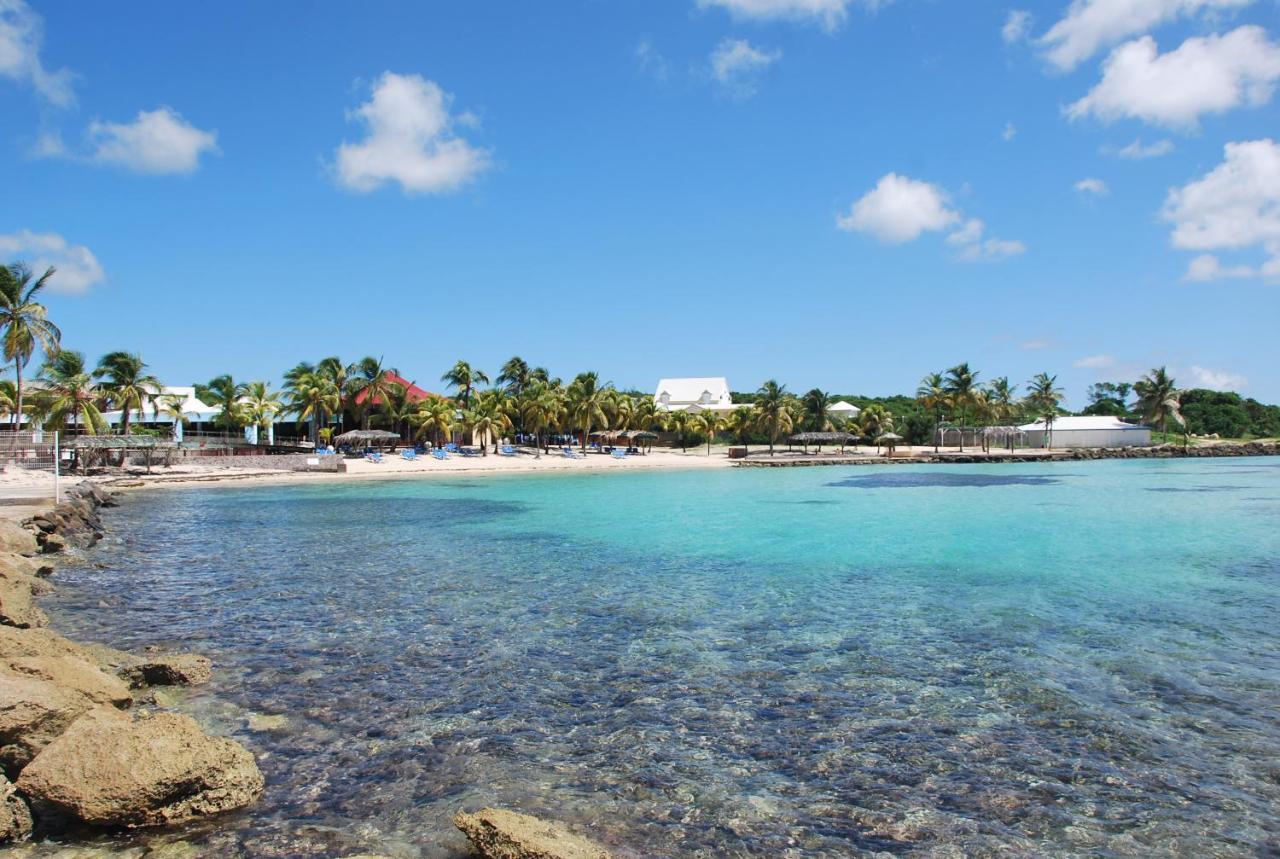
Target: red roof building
[[412, 392]]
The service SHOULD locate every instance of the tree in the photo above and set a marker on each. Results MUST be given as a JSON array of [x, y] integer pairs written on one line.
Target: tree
[[223, 392], [1000, 403], [1159, 399], [69, 394], [435, 418], [259, 405], [488, 419], [1043, 397], [124, 379], [542, 408], [313, 396], [932, 396], [374, 385], [741, 423], [875, 420], [463, 378], [816, 402], [710, 423], [8, 397], [344, 380], [960, 385], [772, 413], [1109, 398], [678, 423], [586, 403], [514, 376], [171, 406], [24, 323]]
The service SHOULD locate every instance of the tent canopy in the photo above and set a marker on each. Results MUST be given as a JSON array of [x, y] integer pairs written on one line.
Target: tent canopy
[[367, 436]]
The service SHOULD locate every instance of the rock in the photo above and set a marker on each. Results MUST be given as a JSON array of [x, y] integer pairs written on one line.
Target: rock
[[46, 642], [171, 669], [33, 713], [10, 563], [75, 674], [500, 834], [14, 538], [15, 817], [111, 770], [53, 543], [17, 604]]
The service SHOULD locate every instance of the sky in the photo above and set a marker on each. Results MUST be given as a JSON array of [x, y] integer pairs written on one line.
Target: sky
[[846, 194]]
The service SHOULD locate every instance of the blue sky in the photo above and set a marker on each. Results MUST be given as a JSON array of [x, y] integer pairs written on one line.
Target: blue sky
[[830, 192]]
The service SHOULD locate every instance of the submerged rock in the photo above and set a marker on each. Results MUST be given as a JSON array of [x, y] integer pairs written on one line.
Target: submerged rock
[[15, 817], [111, 770], [169, 669], [500, 834], [33, 713]]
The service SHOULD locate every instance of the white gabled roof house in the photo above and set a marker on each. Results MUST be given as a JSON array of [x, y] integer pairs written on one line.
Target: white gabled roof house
[[1088, 431], [194, 409], [843, 410], [694, 394]]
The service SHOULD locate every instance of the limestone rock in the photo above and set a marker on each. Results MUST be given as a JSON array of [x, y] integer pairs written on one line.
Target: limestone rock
[[53, 543], [15, 817], [17, 604], [111, 770], [75, 674], [500, 834], [14, 538], [33, 713], [170, 669], [46, 642]]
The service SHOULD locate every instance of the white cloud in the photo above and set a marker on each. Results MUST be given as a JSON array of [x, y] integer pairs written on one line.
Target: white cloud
[[410, 141], [1205, 75], [899, 209], [77, 268], [1235, 206], [737, 65], [651, 60], [1010, 132], [1217, 380], [1016, 26], [1094, 362], [158, 141], [1093, 186], [1091, 25], [1137, 150], [829, 14], [21, 37]]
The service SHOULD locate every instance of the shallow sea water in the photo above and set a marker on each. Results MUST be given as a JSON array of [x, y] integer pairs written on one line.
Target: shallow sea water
[[1042, 659]]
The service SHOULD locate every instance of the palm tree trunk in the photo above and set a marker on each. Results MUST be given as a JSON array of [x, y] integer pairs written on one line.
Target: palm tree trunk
[[17, 372]]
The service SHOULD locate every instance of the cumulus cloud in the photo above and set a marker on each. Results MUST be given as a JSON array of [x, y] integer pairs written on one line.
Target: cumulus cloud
[[901, 209], [1093, 187], [1094, 362], [1212, 74], [157, 141], [410, 141], [21, 39], [1217, 380], [1235, 206], [1138, 151], [737, 65], [1016, 26], [77, 268], [829, 14], [1091, 25]]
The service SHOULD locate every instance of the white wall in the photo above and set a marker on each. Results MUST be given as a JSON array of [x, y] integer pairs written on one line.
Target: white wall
[[1137, 437]]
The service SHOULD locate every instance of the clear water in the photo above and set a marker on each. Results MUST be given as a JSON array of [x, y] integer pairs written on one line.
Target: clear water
[[1045, 659]]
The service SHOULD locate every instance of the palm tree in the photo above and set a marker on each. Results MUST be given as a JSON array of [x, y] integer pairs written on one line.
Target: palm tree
[[741, 423], [514, 375], [874, 421], [344, 379], [313, 396], [223, 392], [586, 403], [259, 405], [960, 385], [126, 383], [373, 384], [932, 396], [816, 403], [709, 423], [488, 419], [772, 412], [1043, 397], [171, 405], [463, 377], [1001, 401], [24, 324], [543, 407], [678, 423], [1159, 399], [435, 418], [8, 397], [69, 393]]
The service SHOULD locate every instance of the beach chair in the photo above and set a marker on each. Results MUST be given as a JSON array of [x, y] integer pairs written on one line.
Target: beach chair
[[409, 454], [451, 447], [507, 450], [439, 453], [468, 451], [373, 456], [570, 453], [617, 453]]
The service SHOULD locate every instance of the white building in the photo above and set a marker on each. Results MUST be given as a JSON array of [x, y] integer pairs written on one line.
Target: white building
[[843, 411], [193, 410], [1088, 431], [709, 393]]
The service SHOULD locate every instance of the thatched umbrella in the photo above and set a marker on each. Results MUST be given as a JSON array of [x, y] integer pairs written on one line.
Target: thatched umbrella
[[367, 437], [821, 438], [889, 440]]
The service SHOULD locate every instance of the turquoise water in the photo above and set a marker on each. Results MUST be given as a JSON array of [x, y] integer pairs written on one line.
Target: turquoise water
[[1066, 659]]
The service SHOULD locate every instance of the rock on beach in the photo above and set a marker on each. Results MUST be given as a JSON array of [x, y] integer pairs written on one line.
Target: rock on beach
[[500, 834]]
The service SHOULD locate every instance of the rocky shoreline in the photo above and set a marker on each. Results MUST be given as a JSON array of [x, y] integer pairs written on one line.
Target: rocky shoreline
[[85, 748]]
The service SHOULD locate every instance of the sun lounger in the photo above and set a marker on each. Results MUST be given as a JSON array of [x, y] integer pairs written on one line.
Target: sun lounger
[[507, 450], [440, 453], [451, 447], [409, 454], [616, 453], [570, 453], [373, 456]]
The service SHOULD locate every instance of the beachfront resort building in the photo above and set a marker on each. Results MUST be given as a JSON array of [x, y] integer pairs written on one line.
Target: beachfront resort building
[[1088, 431], [195, 411], [694, 395]]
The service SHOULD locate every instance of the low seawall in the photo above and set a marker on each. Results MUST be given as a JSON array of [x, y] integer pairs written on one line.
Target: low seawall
[[1166, 451], [278, 462]]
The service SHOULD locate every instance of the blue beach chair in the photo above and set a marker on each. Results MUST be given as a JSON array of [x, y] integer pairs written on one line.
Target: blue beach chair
[[440, 453], [507, 450], [410, 454], [618, 454], [373, 456]]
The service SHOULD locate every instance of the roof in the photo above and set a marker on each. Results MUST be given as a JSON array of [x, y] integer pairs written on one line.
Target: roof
[[1084, 422], [690, 390], [193, 408], [413, 393], [843, 406]]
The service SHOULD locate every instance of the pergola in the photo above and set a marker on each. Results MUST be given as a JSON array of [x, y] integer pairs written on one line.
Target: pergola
[[368, 438], [91, 444], [1007, 435], [635, 435], [821, 438]]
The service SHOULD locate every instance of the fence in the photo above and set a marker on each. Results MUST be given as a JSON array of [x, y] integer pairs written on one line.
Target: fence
[[30, 466]]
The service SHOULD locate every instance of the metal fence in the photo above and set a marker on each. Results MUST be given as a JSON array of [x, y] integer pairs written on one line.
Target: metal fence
[[31, 465]]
